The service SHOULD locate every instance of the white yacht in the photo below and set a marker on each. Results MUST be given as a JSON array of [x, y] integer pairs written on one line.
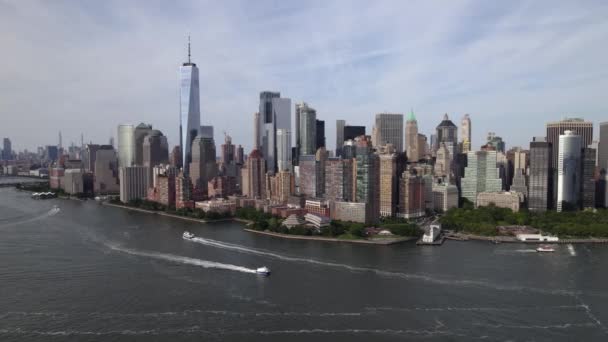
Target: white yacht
[[187, 235], [263, 271]]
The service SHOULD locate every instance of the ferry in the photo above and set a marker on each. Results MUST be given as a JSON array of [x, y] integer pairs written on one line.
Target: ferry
[[545, 248], [265, 271], [187, 235]]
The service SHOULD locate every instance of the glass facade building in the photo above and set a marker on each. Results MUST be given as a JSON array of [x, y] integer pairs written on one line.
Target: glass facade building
[[190, 112]]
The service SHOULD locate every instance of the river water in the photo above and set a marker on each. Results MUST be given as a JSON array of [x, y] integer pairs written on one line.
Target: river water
[[87, 272]]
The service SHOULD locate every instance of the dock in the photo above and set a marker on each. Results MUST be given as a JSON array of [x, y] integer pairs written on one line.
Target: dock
[[438, 242]]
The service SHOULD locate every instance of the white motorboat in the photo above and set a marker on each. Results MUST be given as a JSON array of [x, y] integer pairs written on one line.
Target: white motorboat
[[187, 235], [545, 248], [263, 271]]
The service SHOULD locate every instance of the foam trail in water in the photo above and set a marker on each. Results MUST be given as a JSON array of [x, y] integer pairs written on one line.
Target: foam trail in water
[[571, 250], [181, 259], [49, 213], [409, 276]]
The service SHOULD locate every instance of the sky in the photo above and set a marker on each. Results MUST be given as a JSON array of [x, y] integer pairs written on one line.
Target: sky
[[86, 66]]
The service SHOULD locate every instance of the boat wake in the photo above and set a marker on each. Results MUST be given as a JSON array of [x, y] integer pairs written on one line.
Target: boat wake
[[181, 259], [571, 250], [52, 212], [388, 274]]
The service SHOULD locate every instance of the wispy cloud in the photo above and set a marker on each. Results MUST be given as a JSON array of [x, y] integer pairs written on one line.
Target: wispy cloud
[[86, 66]]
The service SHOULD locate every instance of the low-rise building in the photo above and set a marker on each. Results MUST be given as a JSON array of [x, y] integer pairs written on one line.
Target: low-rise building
[[293, 220], [536, 238], [73, 181], [217, 205], [503, 199], [317, 206], [317, 221], [445, 197], [431, 233], [350, 211]]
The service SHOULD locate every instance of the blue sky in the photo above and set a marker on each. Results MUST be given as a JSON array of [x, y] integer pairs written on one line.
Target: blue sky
[[87, 66]]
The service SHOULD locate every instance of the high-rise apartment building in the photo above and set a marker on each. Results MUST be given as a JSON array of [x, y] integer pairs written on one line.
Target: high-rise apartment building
[[411, 198], [389, 168], [411, 138], [540, 194], [190, 111], [569, 178], [367, 184], [339, 179], [308, 130], [133, 182], [309, 176], [480, 175], [389, 130], [275, 113], [256, 176]]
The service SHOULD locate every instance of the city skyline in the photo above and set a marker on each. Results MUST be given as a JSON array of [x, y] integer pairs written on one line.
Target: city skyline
[[351, 77]]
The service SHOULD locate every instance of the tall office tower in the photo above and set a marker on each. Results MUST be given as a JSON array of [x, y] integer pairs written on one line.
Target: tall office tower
[[7, 149], [578, 126], [465, 133], [520, 183], [308, 130], [412, 202], [349, 149], [503, 170], [203, 166], [284, 149], [540, 185], [52, 154], [480, 175], [60, 144], [321, 159], [126, 145], [442, 162], [320, 134], [155, 150], [339, 136], [297, 127], [175, 159], [368, 178], [88, 156], [602, 150], [569, 171], [134, 182], [106, 171], [423, 147], [390, 130], [257, 124], [433, 143], [240, 155], [275, 113], [351, 132], [256, 176], [411, 138], [588, 181], [339, 179], [206, 132], [189, 108], [391, 166], [139, 134], [227, 150], [495, 142], [447, 133]]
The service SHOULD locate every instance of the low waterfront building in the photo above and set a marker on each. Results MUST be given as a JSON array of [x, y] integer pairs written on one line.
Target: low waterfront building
[[55, 177], [351, 212], [73, 181], [536, 238], [293, 220], [317, 206], [504, 199], [217, 205], [317, 221], [431, 233]]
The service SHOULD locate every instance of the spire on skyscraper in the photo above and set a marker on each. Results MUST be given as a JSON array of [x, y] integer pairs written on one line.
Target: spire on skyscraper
[[411, 117], [189, 50]]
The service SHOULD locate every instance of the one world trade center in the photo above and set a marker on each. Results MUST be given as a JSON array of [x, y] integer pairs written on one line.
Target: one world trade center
[[190, 111]]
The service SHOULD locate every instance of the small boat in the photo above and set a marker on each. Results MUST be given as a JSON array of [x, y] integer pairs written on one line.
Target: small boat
[[545, 248], [263, 271], [187, 235], [496, 242]]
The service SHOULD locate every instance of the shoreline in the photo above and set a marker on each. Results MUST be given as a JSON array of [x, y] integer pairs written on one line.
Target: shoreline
[[162, 213], [510, 239], [381, 242]]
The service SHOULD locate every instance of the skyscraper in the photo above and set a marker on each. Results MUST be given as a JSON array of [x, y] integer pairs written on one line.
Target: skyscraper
[[411, 138], [228, 150], [540, 195], [126, 145], [578, 126], [7, 149], [320, 134], [368, 178], [139, 134], [465, 133], [203, 166], [588, 177], [134, 182], [275, 113], [256, 176], [339, 136], [569, 171], [284, 149], [602, 152], [190, 111], [155, 151], [106, 171], [339, 179], [412, 201], [480, 175], [495, 142], [308, 130], [447, 133], [390, 130], [391, 166]]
